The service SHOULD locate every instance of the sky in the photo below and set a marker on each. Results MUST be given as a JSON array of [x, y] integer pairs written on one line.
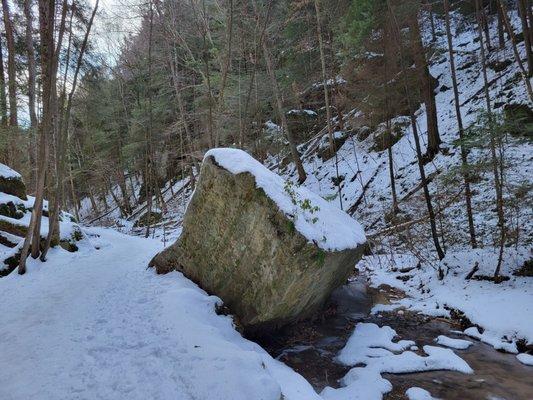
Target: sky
[[115, 20]]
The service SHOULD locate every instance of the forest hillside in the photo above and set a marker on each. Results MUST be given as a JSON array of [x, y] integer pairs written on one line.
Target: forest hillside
[[296, 199]]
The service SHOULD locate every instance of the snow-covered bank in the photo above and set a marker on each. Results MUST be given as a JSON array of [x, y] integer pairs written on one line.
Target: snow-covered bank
[[503, 311], [97, 324]]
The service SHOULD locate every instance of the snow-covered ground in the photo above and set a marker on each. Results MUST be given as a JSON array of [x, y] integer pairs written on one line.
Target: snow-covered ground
[[96, 324]]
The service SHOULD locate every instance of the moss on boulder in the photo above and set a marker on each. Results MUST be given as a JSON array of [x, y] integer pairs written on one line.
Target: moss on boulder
[[12, 210], [11, 182], [238, 244], [12, 227]]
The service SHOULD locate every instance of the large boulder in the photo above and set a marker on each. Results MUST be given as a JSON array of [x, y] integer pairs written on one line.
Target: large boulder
[[11, 182], [271, 250]]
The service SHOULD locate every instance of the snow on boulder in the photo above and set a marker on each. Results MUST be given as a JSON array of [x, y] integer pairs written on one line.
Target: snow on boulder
[[271, 250], [11, 182]]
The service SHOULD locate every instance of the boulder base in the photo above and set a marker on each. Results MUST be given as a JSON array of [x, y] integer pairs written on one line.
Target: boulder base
[[238, 244]]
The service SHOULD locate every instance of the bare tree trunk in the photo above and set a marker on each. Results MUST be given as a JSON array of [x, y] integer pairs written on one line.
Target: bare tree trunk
[[427, 195], [136, 201], [54, 133], [53, 219], [428, 93], [31, 87], [75, 201], [46, 29], [431, 21], [92, 199], [31, 63], [395, 207], [501, 34], [420, 157], [529, 12], [324, 76], [464, 154], [3, 99], [257, 48], [11, 68], [522, 7], [332, 147], [149, 184], [492, 141], [485, 25], [210, 102], [121, 179], [225, 67], [518, 60], [118, 203], [292, 143]]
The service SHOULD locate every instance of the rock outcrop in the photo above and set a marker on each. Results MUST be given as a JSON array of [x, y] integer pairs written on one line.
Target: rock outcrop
[[15, 211], [11, 182], [272, 251]]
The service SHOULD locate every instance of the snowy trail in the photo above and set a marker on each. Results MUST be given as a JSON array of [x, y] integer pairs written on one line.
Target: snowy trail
[[96, 324]]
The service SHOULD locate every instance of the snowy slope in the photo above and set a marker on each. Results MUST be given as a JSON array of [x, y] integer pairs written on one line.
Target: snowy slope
[[96, 324], [365, 172], [504, 310]]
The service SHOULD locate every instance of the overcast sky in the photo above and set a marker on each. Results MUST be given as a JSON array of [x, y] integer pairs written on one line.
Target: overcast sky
[[115, 19]]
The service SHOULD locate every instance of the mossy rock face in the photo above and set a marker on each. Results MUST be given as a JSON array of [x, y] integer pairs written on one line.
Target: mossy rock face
[[386, 139], [10, 264], [520, 119], [68, 246], [11, 210], [13, 186], [325, 153], [13, 228], [149, 218], [237, 244]]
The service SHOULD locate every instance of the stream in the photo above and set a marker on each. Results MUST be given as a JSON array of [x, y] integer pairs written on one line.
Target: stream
[[310, 347]]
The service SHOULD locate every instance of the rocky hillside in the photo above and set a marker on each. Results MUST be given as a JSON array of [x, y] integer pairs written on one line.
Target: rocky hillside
[[15, 212], [357, 178]]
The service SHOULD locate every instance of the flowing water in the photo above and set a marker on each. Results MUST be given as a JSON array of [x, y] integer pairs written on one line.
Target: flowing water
[[310, 347]]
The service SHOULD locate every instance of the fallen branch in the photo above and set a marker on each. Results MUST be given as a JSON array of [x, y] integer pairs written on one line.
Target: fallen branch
[[429, 179], [354, 206], [474, 270]]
